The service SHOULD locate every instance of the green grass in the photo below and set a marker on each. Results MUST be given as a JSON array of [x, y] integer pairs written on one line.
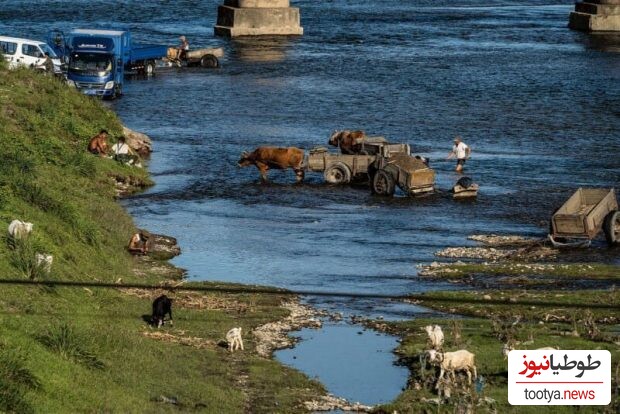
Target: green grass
[[483, 338], [84, 350]]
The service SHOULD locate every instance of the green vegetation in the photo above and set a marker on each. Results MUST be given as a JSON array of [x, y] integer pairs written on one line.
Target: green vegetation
[[89, 350], [485, 338]]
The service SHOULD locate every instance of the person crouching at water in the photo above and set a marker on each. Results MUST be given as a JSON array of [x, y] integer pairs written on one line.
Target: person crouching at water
[[122, 153], [139, 243], [461, 151], [98, 144]]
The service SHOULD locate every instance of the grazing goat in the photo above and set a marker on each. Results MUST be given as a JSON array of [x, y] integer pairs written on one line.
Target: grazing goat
[[450, 362], [19, 229], [161, 306], [233, 337], [44, 261], [435, 336]]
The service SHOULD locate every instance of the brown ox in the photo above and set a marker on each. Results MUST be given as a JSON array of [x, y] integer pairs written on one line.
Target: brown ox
[[98, 144], [346, 140], [273, 157]]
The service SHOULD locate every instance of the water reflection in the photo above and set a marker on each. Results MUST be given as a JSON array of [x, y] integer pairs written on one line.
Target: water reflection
[[261, 49]]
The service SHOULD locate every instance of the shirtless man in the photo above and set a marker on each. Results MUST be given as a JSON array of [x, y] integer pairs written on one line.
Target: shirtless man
[[138, 244], [98, 144], [182, 48], [461, 151]]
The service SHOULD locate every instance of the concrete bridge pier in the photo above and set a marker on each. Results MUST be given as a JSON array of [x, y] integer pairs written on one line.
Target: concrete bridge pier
[[595, 16], [257, 18]]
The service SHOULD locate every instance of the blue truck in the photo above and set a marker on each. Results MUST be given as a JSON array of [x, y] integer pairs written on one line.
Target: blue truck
[[97, 60]]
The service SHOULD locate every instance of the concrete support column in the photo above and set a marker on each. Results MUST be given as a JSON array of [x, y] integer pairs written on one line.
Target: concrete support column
[[257, 18], [596, 15]]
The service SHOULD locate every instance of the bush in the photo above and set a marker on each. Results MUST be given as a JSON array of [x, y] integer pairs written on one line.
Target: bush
[[23, 258], [15, 381], [66, 342]]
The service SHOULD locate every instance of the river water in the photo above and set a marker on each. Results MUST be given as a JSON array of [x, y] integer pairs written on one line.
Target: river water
[[538, 104]]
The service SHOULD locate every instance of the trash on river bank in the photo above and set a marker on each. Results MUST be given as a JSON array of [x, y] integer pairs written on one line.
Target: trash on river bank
[[330, 403]]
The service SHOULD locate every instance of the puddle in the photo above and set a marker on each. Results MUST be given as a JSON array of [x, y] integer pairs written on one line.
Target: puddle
[[352, 363]]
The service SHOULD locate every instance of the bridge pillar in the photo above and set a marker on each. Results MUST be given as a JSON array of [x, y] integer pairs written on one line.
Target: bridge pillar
[[596, 15], [257, 18]]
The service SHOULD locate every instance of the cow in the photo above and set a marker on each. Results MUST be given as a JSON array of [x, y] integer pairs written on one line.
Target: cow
[[161, 306], [234, 339], [98, 144], [346, 140], [19, 229], [265, 158]]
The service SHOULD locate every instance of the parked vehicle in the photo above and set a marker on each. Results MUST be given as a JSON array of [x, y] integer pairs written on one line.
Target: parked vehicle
[[98, 59], [340, 168], [411, 174], [26, 52], [583, 216]]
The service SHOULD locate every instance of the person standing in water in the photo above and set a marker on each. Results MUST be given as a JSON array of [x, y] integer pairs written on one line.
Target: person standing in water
[[461, 151]]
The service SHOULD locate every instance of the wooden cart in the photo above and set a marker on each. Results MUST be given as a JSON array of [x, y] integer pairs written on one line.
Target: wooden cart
[[343, 168], [411, 174], [582, 217]]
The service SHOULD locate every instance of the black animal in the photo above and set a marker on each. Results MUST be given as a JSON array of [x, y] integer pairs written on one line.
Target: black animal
[[161, 306], [465, 182]]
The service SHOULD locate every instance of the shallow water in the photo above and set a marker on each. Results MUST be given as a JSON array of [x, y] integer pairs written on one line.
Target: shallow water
[[539, 105]]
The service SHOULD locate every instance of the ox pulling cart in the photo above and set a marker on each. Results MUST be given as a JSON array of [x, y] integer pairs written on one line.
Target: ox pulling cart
[[583, 216]]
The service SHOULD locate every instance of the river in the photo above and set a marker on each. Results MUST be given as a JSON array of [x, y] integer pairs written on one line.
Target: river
[[538, 104]]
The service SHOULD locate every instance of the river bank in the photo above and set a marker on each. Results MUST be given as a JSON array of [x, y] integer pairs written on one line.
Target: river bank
[[518, 294], [79, 349]]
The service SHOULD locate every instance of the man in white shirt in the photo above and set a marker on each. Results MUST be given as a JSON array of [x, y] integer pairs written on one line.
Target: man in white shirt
[[461, 151], [122, 153]]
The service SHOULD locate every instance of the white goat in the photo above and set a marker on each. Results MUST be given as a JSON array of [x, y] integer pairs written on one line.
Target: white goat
[[234, 339], [435, 336], [450, 362], [44, 261], [19, 229]]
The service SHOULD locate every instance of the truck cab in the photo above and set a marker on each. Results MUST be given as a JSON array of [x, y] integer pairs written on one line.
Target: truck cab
[[25, 52], [96, 61]]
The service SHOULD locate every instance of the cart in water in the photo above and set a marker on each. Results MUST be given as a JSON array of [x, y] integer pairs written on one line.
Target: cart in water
[[340, 168], [411, 174], [583, 216], [204, 57]]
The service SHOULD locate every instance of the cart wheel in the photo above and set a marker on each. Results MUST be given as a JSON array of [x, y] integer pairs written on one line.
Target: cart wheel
[[337, 173], [612, 228], [383, 183], [209, 61], [149, 68]]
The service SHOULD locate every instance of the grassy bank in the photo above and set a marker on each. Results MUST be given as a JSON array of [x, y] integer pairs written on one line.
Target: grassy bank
[[485, 338], [85, 350]]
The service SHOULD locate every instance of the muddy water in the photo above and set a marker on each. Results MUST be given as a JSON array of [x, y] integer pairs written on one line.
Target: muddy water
[[539, 105]]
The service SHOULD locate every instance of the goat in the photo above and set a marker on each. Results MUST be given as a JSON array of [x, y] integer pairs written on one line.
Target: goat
[[19, 229], [234, 339], [450, 362], [435, 336], [44, 261]]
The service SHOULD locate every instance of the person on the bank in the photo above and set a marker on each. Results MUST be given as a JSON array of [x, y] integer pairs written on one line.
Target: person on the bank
[[98, 144], [138, 243], [122, 153], [461, 151]]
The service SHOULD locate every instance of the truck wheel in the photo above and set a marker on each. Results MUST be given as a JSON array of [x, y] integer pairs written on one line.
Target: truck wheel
[[337, 173], [611, 227], [383, 183], [149, 68], [209, 61]]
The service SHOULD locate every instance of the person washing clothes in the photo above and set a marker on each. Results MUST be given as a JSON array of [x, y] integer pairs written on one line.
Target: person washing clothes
[[122, 153]]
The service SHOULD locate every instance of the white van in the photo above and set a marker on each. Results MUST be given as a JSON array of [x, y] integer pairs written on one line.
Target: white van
[[25, 52]]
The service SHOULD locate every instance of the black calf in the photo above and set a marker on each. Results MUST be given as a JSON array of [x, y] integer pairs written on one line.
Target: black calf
[[161, 306]]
